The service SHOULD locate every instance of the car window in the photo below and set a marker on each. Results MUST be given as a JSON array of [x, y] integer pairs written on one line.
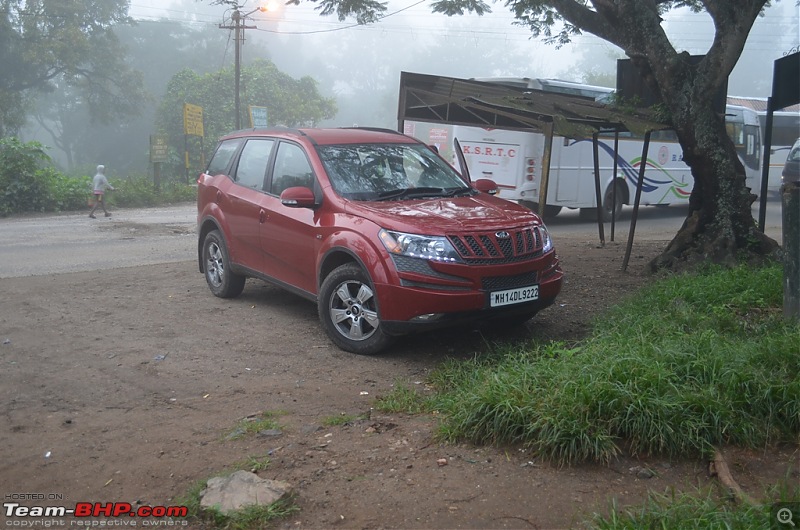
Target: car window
[[291, 169], [371, 171], [222, 157], [794, 154], [252, 167]]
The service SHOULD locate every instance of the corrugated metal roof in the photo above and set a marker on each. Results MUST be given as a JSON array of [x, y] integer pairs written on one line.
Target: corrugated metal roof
[[440, 99], [758, 104]]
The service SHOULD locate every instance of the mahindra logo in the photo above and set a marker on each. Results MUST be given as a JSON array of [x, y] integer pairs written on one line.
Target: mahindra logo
[[502, 235]]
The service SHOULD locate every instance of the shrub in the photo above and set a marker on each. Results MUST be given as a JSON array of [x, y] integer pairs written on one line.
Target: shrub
[[24, 187]]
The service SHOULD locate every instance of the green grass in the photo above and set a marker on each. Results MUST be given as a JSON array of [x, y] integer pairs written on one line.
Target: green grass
[[255, 424], [695, 511], [692, 362]]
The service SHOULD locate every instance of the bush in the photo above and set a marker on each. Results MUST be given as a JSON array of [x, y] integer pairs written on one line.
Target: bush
[[66, 193], [24, 186], [29, 183], [139, 191]]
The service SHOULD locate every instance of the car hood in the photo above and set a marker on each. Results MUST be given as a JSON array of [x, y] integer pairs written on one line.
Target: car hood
[[444, 215]]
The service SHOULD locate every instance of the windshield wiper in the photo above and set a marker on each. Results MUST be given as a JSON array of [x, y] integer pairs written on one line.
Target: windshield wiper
[[423, 192], [456, 192], [411, 193]]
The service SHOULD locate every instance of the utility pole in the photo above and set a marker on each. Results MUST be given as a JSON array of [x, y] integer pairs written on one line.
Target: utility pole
[[238, 28]]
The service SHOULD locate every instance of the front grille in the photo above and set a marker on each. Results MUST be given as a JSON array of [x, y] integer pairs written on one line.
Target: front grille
[[490, 248], [501, 283]]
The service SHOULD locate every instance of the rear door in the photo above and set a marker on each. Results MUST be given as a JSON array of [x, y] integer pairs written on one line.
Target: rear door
[[245, 201]]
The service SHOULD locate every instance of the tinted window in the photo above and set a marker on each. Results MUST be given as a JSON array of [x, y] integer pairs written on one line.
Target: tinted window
[[222, 157], [291, 169], [253, 163]]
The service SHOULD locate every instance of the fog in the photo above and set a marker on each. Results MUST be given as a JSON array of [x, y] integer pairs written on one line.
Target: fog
[[360, 65]]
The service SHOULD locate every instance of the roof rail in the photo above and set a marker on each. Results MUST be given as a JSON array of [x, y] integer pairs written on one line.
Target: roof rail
[[376, 129]]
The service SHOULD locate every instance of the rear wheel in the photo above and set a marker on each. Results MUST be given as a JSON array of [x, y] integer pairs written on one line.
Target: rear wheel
[[550, 211], [348, 310], [612, 203], [217, 266]]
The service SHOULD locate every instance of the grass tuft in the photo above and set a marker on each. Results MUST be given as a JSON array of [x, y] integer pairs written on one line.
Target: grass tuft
[[692, 362]]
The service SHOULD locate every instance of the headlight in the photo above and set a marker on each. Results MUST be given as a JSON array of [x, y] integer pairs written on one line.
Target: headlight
[[547, 242], [435, 248]]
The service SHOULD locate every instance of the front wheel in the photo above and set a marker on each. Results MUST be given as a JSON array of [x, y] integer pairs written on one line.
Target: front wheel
[[217, 266], [348, 310]]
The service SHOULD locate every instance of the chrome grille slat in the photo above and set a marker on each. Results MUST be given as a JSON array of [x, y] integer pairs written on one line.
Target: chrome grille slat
[[485, 248]]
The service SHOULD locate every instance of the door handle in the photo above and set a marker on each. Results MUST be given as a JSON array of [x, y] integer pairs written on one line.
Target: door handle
[[262, 216]]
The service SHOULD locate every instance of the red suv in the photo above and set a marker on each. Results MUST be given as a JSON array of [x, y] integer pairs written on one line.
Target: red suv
[[375, 227]]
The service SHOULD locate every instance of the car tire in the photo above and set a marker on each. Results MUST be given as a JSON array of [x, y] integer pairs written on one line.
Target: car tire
[[222, 281], [348, 310]]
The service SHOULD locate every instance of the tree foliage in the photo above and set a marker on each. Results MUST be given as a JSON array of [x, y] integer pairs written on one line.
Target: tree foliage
[[290, 102], [68, 45]]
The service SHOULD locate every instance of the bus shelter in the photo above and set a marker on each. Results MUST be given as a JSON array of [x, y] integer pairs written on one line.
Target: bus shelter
[[454, 101]]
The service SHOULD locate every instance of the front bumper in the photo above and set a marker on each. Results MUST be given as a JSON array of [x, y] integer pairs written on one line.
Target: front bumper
[[461, 294]]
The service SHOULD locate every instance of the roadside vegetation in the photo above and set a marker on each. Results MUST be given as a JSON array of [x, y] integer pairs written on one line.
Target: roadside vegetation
[[691, 363], [30, 183], [704, 510]]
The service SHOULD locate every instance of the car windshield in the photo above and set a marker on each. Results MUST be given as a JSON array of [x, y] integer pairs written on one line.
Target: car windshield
[[384, 172], [794, 154]]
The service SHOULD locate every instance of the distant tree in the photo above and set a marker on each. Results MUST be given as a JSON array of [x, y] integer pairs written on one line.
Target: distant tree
[[289, 102], [67, 45], [719, 226]]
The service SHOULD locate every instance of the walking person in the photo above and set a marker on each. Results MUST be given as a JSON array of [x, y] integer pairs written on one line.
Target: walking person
[[99, 186]]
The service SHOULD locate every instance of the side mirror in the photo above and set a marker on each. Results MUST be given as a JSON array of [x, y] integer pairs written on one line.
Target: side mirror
[[298, 197], [486, 186]]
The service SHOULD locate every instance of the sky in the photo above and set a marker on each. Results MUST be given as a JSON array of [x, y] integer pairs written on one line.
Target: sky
[[411, 21]]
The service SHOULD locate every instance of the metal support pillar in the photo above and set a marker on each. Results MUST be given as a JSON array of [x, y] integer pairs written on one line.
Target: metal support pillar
[[635, 215]]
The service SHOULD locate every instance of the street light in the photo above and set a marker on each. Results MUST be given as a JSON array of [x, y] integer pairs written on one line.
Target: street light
[[238, 26]]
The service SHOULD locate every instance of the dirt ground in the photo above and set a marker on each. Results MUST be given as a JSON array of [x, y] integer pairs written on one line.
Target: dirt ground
[[125, 385]]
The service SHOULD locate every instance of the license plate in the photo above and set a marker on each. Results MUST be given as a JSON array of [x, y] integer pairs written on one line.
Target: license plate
[[514, 296]]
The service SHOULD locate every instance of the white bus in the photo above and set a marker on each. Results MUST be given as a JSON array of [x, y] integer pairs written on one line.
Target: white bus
[[513, 159]]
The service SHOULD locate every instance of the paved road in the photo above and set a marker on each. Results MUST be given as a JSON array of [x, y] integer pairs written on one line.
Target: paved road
[[63, 243], [53, 244]]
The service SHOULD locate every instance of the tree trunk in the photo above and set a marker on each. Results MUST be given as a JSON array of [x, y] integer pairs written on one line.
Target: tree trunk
[[719, 227]]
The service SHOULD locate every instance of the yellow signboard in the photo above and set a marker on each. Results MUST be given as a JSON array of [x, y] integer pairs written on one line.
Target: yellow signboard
[[192, 119]]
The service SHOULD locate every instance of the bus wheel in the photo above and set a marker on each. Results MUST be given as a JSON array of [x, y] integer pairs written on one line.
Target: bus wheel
[[610, 204], [549, 210]]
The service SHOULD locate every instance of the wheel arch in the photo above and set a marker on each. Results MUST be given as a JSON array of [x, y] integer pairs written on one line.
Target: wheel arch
[[335, 258], [207, 225]]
